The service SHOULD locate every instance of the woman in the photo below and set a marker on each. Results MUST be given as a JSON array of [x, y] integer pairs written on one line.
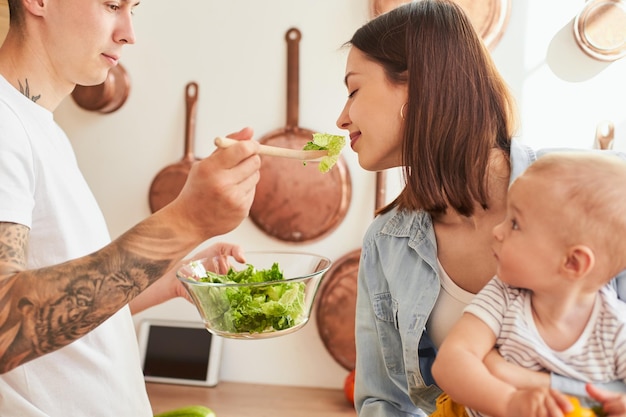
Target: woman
[[424, 94]]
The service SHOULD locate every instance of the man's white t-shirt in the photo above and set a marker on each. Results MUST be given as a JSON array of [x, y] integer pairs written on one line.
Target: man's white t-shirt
[[42, 188]]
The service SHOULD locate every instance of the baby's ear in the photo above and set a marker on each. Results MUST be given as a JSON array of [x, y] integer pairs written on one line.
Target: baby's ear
[[580, 259]]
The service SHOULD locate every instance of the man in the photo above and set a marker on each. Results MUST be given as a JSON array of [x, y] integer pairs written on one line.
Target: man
[[67, 342]]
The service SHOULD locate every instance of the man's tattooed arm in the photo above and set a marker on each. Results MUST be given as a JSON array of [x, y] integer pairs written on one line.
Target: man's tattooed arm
[[43, 310], [25, 89]]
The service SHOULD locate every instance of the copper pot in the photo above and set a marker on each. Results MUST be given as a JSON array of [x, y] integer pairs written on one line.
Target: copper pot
[[106, 97]]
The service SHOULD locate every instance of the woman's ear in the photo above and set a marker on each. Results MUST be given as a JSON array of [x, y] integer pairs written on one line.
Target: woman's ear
[[35, 7], [579, 261]]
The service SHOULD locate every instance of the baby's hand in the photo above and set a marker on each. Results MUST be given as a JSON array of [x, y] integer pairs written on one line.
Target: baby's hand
[[613, 403], [538, 402]]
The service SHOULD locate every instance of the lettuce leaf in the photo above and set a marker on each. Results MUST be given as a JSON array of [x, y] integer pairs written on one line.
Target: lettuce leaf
[[326, 142]]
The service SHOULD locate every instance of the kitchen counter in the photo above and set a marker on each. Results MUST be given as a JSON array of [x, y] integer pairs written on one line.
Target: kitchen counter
[[231, 399]]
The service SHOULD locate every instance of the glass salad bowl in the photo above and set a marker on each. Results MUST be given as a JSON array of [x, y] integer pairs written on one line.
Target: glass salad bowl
[[269, 295]]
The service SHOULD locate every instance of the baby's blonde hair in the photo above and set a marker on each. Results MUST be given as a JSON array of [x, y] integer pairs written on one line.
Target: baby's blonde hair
[[592, 187]]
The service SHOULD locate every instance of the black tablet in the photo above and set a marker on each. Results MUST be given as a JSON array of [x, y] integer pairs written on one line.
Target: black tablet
[[179, 352]]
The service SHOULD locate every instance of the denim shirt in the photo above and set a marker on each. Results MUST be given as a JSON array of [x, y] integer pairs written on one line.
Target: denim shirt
[[398, 284]]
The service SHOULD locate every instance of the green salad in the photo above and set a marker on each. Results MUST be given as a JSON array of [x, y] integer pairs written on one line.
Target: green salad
[[253, 309], [326, 142]]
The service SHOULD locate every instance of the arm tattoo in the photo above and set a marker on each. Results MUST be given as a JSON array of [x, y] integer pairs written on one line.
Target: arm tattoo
[[45, 309], [13, 240], [25, 89]]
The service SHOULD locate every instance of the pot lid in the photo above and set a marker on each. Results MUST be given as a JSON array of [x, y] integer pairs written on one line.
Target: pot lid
[[600, 29]]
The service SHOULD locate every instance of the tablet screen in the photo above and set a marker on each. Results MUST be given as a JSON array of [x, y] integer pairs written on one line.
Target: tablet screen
[[179, 352]]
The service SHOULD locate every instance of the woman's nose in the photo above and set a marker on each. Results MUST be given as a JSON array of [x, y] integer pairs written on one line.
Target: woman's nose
[[343, 121]]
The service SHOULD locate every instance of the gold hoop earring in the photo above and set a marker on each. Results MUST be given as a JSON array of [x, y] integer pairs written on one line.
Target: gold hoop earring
[[402, 111]]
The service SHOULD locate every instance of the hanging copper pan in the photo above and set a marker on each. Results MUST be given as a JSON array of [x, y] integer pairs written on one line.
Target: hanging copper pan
[[296, 202], [170, 180], [106, 97], [489, 17], [336, 305]]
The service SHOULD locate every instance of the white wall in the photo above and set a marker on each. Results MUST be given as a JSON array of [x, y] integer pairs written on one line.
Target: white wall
[[562, 94], [236, 51]]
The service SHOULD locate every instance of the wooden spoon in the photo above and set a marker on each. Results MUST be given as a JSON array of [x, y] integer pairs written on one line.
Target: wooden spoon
[[276, 151]]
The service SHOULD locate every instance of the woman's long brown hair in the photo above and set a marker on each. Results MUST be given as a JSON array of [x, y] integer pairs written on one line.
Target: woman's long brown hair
[[459, 108]]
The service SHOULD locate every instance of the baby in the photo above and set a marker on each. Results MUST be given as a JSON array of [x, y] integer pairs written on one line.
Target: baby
[[549, 308]]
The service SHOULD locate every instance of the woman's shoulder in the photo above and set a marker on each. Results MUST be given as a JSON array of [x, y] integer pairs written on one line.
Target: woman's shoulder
[[396, 230], [523, 155], [400, 223], [611, 301]]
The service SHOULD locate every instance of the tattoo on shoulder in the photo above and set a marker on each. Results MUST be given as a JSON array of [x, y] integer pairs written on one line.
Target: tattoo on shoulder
[[25, 89]]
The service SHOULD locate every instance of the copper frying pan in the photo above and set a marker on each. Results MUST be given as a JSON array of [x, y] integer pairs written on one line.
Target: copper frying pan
[[170, 180], [106, 97], [296, 202], [489, 17], [336, 305]]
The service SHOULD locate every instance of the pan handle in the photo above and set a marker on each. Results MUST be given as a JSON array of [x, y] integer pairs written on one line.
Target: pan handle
[[293, 37], [191, 100], [605, 133]]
